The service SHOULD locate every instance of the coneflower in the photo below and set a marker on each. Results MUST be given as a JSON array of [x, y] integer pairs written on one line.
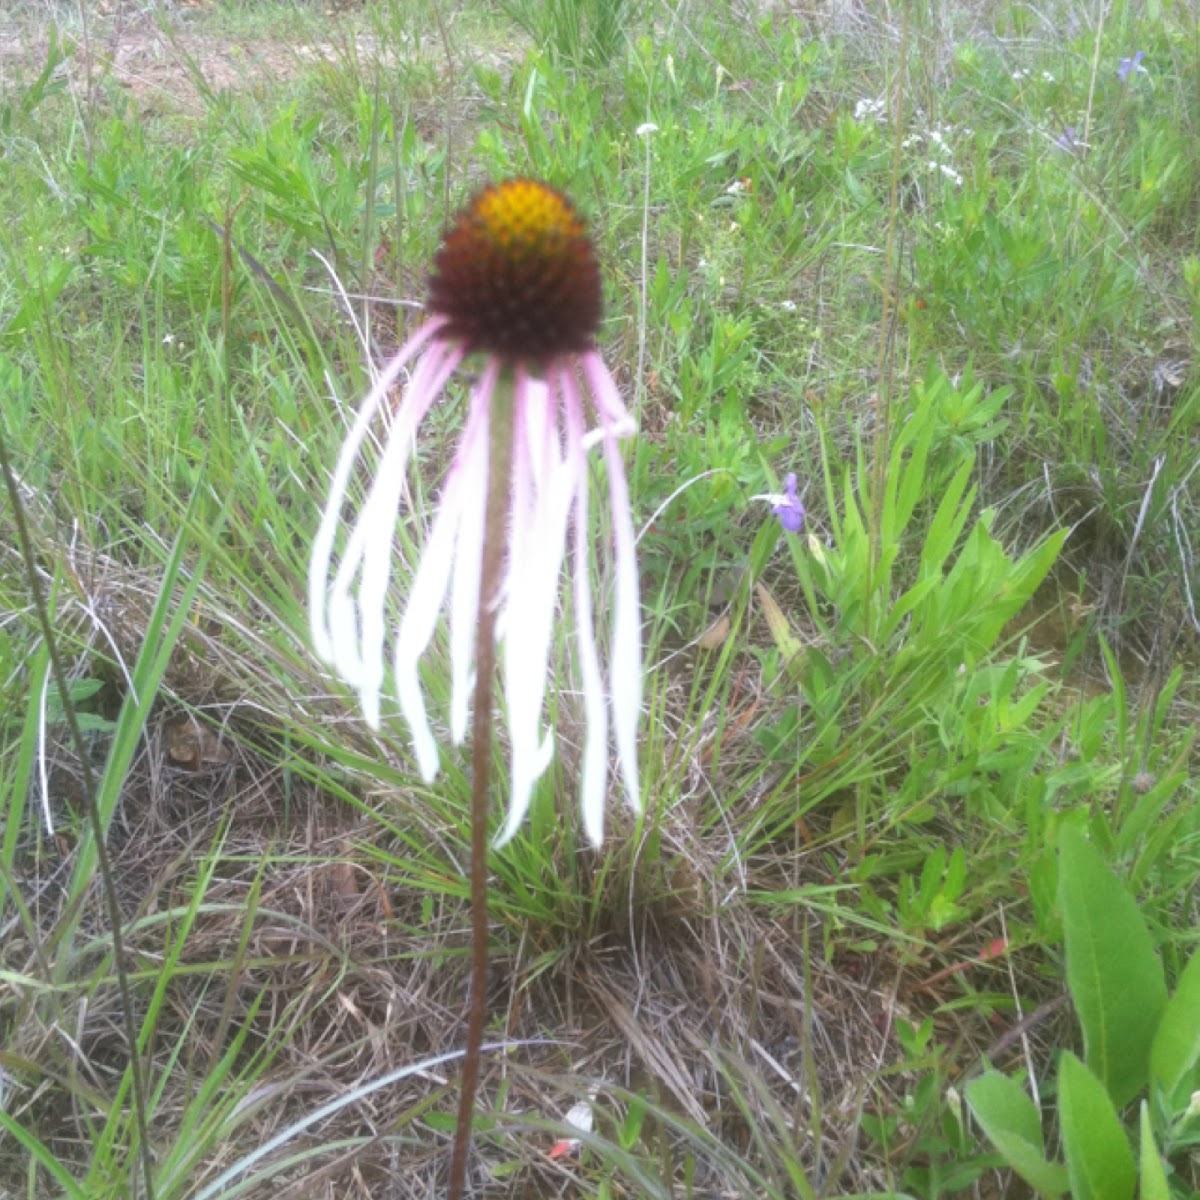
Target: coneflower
[[515, 282]]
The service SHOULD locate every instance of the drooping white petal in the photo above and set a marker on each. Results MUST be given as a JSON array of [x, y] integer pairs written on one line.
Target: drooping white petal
[[369, 554], [426, 595], [626, 656], [522, 724], [472, 462], [543, 484], [323, 542], [595, 745], [358, 594], [615, 419], [537, 418], [417, 626]]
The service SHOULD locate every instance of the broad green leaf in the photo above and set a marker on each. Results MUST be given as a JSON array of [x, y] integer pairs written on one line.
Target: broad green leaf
[[791, 649], [1010, 1120], [1099, 1160], [948, 521], [1176, 1047], [1153, 1177], [906, 480], [1115, 976]]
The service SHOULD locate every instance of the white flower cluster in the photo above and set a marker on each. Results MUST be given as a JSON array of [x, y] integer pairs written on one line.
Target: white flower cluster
[[936, 143], [871, 109]]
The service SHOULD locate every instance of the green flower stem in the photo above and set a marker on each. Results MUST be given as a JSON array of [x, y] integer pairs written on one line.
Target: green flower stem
[[500, 434]]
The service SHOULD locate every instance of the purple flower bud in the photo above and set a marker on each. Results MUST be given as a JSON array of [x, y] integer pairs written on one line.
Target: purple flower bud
[[1067, 141], [788, 507], [1131, 66]]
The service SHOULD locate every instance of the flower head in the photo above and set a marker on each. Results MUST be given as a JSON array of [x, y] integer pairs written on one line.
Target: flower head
[[1068, 141], [1131, 66], [516, 281], [786, 505]]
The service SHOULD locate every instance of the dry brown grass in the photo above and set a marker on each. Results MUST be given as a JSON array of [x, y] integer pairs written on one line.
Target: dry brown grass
[[758, 1026], [769, 1038]]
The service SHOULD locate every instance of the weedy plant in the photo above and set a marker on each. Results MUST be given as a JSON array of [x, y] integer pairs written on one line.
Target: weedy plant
[[577, 33], [1137, 1038]]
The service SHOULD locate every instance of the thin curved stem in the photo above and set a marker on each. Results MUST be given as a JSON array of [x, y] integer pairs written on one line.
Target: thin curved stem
[[500, 434], [93, 811]]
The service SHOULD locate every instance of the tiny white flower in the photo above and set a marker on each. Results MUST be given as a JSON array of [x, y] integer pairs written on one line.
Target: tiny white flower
[[868, 109], [949, 172]]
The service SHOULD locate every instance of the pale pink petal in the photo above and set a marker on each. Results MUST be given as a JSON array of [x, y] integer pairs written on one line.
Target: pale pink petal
[[626, 662], [331, 515], [595, 746], [536, 410], [543, 487], [522, 724], [358, 594], [615, 420], [397, 446], [472, 462], [424, 605], [416, 629], [377, 527]]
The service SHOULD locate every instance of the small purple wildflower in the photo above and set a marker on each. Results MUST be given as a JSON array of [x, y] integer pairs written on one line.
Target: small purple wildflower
[[786, 505], [1129, 67], [1067, 141]]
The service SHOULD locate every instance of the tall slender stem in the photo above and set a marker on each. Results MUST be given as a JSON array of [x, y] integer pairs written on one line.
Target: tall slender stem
[[109, 889], [500, 435], [887, 317]]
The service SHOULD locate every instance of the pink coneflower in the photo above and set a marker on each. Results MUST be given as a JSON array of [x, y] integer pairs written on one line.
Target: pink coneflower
[[516, 282]]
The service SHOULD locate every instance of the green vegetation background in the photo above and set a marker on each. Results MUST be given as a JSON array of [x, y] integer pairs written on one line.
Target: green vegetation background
[[940, 261]]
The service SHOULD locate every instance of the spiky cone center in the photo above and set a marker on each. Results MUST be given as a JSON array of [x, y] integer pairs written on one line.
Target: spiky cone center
[[517, 276]]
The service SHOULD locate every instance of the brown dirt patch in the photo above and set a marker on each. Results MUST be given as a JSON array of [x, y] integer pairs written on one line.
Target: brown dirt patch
[[172, 61]]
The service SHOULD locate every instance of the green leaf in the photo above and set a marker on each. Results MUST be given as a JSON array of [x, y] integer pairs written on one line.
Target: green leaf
[[791, 649], [1099, 1160], [1115, 976], [43, 1156], [1176, 1047], [1010, 1120], [947, 524], [39, 299], [1154, 1178]]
